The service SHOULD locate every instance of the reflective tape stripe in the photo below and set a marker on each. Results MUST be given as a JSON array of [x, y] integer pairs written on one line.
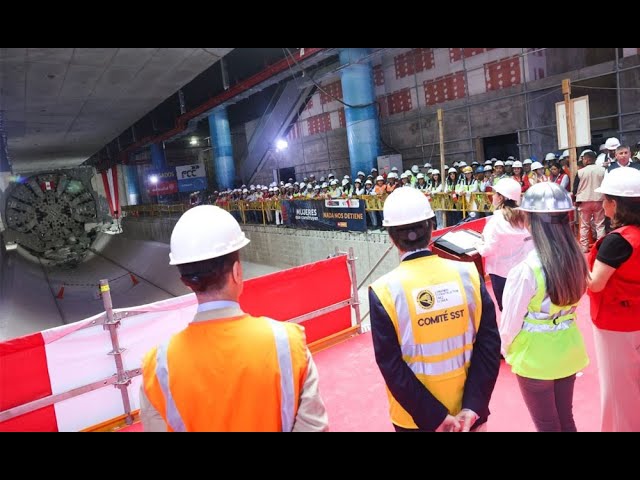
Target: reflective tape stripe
[[162, 372], [287, 409], [441, 347], [442, 367], [469, 290], [547, 327], [405, 327], [545, 315]]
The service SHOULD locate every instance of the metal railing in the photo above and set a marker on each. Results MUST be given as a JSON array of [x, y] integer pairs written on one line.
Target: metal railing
[[122, 378]]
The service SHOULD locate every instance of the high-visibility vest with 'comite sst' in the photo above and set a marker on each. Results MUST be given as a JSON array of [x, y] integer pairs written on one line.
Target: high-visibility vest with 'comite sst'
[[435, 307], [237, 374]]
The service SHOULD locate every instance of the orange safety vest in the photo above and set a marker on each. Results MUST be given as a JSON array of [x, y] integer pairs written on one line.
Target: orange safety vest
[[236, 374]]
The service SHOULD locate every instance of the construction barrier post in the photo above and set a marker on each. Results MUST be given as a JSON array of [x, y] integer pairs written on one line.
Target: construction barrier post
[[112, 324], [355, 297]]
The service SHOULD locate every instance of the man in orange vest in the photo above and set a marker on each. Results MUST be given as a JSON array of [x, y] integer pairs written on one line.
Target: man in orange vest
[[227, 371]]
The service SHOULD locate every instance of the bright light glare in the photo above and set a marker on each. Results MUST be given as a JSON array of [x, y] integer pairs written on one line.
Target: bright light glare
[[281, 144], [153, 179], [194, 141]]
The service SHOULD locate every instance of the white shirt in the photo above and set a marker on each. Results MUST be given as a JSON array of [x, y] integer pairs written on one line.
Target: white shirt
[[518, 291], [503, 245]]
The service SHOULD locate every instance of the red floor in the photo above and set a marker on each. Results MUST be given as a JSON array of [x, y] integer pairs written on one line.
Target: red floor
[[353, 389]]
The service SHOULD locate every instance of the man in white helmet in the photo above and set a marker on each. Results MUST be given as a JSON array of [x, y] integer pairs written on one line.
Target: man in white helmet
[[228, 370], [434, 328]]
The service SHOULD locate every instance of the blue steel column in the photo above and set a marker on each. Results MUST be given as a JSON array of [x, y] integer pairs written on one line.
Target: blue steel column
[[158, 159], [363, 129], [222, 149], [5, 166], [133, 189]]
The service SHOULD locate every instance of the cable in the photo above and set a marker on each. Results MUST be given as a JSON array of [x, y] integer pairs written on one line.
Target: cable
[[604, 88]]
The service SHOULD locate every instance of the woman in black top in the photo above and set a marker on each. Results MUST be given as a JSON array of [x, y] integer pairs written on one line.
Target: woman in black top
[[614, 289]]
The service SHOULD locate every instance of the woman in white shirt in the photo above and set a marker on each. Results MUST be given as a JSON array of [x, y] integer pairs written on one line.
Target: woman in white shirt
[[505, 238], [540, 338]]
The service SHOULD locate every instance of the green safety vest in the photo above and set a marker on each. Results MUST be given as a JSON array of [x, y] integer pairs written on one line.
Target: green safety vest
[[549, 345]]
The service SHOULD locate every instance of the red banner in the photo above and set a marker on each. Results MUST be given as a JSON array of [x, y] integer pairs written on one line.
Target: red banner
[[24, 377], [110, 181], [290, 293]]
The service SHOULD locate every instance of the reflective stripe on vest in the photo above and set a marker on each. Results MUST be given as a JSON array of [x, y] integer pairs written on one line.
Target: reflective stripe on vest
[[162, 372], [543, 316], [448, 345], [287, 410]]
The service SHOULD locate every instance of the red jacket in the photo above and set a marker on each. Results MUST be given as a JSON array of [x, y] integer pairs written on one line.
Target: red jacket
[[617, 307]]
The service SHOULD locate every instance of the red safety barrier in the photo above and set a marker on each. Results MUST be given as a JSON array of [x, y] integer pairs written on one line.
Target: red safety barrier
[[24, 377], [297, 291], [72, 362]]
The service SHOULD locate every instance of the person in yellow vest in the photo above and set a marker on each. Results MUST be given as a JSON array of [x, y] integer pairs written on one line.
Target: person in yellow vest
[[434, 329], [540, 338], [227, 370]]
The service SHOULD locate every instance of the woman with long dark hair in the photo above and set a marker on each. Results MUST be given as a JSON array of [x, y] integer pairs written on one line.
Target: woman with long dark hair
[[614, 289], [505, 238], [540, 338]]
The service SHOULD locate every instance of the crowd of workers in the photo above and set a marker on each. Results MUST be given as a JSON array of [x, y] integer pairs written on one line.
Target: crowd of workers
[[435, 335]]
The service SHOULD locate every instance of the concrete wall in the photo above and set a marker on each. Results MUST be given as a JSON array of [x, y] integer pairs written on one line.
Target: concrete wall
[[284, 247], [318, 144]]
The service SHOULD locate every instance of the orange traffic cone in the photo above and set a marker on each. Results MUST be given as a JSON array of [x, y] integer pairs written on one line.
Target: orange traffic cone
[[60, 294], [134, 280]]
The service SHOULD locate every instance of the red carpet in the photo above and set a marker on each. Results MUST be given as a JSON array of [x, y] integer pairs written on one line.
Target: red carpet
[[354, 392], [353, 389]]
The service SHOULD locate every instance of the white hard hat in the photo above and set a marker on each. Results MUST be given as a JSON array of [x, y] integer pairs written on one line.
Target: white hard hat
[[361, 173], [517, 164], [205, 232], [406, 206], [509, 188], [405, 175], [499, 163], [508, 162], [368, 182], [612, 143], [547, 197], [392, 175], [586, 151], [379, 177], [536, 166], [621, 182], [488, 168], [333, 182], [565, 154], [427, 165], [462, 164], [345, 181], [452, 170], [394, 169], [550, 156], [527, 161], [420, 175], [317, 187], [415, 169]]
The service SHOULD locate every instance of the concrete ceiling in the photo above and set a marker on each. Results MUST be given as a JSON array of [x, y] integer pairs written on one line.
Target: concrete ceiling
[[61, 105]]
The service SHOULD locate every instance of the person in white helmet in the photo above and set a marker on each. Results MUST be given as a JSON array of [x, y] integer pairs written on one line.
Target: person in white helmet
[[434, 328], [614, 291], [506, 241], [227, 370], [540, 338], [610, 147]]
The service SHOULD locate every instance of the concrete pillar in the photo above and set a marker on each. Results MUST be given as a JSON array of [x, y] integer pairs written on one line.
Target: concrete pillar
[[133, 185], [158, 160], [222, 149], [363, 128]]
